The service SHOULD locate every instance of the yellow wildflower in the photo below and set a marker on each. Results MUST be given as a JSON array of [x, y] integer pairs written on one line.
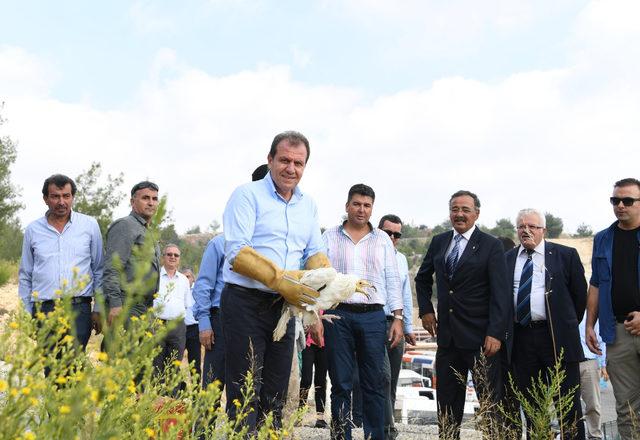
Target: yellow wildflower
[[237, 403], [65, 282], [25, 391], [132, 387], [29, 436], [61, 380], [82, 284], [111, 397], [75, 270], [33, 401], [177, 363], [3, 386], [148, 334], [13, 325], [57, 292], [40, 316], [13, 392], [134, 318], [94, 396], [150, 432], [35, 294], [65, 409], [135, 417], [102, 356], [68, 339]]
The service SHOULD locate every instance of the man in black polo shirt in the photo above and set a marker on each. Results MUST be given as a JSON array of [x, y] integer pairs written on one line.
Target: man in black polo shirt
[[614, 298]]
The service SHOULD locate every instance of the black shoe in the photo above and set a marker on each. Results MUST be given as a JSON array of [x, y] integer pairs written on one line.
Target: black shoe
[[321, 424]]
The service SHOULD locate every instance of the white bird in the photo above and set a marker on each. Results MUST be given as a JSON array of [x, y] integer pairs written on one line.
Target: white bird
[[333, 287]]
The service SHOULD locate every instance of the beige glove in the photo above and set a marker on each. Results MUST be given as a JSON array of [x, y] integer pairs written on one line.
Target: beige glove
[[287, 283], [317, 261]]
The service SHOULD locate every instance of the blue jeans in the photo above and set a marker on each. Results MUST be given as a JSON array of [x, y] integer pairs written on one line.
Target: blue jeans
[[213, 368], [362, 334]]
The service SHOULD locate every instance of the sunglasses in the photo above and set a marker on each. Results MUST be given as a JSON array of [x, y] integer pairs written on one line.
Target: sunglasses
[[171, 254], [626, 201], [395, 235]]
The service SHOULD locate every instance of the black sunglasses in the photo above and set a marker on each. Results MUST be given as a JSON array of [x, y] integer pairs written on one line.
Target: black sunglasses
[[393, 234], [626, 201], [170, 254]]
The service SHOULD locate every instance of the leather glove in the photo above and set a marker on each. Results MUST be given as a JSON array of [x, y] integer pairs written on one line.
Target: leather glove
[[317, 261], [287, 283]]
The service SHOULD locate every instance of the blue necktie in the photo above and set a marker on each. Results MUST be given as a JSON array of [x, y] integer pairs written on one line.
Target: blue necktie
[[523, 309], [452, 258]]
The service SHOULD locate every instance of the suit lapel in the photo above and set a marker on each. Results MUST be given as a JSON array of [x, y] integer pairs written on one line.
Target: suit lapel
[[511, 264], [470, 249], [550, 255]]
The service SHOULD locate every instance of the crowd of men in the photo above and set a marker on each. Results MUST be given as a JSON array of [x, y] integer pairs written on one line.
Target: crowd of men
[[517, 312]]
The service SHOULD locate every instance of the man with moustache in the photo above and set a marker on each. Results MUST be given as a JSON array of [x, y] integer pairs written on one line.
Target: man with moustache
[[271, 230], [474, 307], [356, 247], [614, 299], [125, 235], [549, 299], [59, 247]]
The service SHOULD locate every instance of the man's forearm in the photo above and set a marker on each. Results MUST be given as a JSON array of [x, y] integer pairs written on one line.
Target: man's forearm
[[592, 306]]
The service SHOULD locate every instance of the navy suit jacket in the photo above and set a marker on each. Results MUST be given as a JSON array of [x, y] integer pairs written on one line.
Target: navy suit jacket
[[476, 302], [567, 287]]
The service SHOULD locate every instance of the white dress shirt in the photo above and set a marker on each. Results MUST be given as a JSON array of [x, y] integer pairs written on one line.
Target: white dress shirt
[[463, 243], [173, 296], [538, 310]]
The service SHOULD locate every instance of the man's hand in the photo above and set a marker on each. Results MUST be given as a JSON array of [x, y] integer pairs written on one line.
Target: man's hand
[[395, 332], [410, 338], [207, 338], [430, 323], [591, 339], [96, 322], [491, 346], [113, 314], [296, 293], [604, 374], [632, 323], [317, 333]]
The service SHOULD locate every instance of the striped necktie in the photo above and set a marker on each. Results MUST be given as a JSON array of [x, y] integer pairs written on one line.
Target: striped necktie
[[452, 258], [523, 309]]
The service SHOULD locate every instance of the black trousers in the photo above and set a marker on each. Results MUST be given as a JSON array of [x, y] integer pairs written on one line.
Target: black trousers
[[214, 359], [193, 347], [453, 363], [533, 355], [249, 317], [314, 357]]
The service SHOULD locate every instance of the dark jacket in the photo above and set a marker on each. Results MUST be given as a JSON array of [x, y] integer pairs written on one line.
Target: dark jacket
[[567, 297], [476, 302]]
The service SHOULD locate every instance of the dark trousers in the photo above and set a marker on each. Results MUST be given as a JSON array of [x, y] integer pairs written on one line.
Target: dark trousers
[[249, 317], [362, 334], [452, 369], [193, 348], [214, 359], [314, 358], [172, 346], [533, 355], [395, 361], [82, 322]]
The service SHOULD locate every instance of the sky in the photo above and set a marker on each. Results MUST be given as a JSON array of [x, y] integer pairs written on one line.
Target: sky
[[526, 103]]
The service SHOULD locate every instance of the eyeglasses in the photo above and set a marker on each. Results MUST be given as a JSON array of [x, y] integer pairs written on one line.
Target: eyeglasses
[[523, 227], [393, 234], [171, 254], [626, 201]]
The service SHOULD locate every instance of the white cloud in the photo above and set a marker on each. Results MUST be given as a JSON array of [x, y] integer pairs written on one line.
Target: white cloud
[[22, 73], [146, 19], [555, 139]]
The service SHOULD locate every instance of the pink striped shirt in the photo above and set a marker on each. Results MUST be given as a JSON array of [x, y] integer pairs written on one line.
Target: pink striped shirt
[[373, 259]]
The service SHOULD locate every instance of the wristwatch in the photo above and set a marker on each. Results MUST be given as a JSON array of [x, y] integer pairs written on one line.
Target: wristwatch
[[398, 317]]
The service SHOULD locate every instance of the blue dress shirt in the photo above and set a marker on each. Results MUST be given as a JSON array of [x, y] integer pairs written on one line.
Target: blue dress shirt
[[287, 233], [407, 297], [49, 256], [208, 286]]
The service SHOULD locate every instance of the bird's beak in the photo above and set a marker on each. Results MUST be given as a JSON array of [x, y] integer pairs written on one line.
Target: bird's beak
[[363, 287]]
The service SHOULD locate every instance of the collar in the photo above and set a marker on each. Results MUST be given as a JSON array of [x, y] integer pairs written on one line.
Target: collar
[[537, 250], [163, 271], [467, 235], [268, 181], [72, 216], [138, 217]]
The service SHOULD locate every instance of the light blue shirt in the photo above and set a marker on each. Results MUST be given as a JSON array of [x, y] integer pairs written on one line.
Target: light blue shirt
[[208, 286], [407, 297], [603, 347], [48, 258], [287, 233]]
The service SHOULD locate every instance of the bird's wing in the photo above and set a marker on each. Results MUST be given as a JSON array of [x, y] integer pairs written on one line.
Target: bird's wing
[[317, 278], [340, 289]]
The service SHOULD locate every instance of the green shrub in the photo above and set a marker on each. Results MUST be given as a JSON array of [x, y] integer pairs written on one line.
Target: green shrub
[[8, 272]]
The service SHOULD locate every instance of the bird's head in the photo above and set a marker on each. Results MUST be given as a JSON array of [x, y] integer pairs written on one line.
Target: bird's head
[[363, 286]]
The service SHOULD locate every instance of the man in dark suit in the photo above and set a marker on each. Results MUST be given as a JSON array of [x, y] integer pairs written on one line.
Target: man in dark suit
[[474, 306], [549, 297]]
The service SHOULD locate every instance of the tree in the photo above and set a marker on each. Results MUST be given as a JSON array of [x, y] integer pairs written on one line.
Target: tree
[[442, 227], [214, 226], [194, 230], [98, 200], [554, 225], [584, 230], [10, 230], [503, 228]]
